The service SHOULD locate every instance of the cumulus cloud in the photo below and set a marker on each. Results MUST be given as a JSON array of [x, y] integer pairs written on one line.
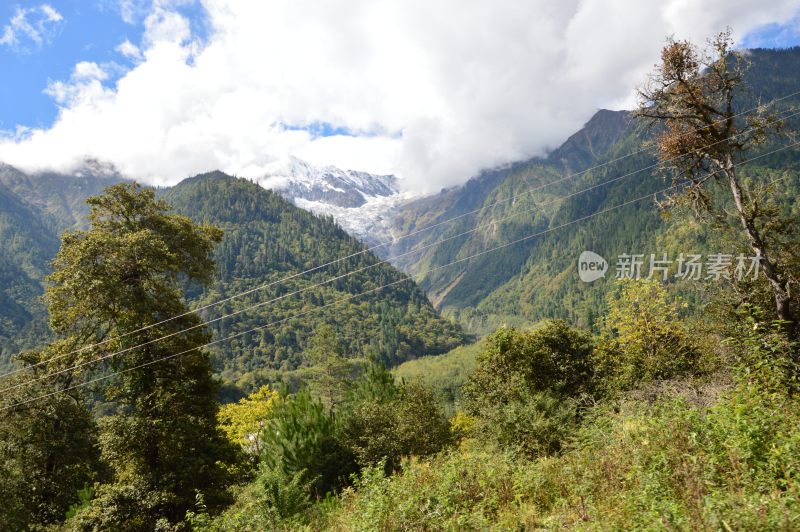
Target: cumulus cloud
[[28, 26], [85, 85], [433, 91]]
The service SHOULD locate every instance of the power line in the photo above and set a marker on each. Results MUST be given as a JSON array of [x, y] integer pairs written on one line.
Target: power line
[[348, 274], [369, 249], [340, 300]]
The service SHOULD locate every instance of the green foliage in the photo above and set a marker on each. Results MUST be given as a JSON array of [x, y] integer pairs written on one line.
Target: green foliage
[[387, 430], [523, 391], [534, 423], [85, 496], [553, 357], [302, 438], [376, 383], [274, 501], [764, 353], [48, 454], [163, 442], [283, 496], [468, 489], [332, 370], [130, 506], [643, 338], [445, 374]]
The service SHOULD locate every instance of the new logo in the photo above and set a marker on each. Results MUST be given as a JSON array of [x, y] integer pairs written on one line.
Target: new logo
[[591, 266]]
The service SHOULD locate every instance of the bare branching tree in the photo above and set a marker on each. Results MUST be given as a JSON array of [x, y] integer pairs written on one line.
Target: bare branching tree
[[691, 97]]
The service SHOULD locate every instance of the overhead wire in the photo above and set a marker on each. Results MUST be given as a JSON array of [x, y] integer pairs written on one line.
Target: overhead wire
[[370, 249], [331, 280], [405, 279]]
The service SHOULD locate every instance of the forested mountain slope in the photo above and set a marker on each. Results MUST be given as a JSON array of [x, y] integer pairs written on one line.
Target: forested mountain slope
[[268, 239], [27, 243], [537, 278]]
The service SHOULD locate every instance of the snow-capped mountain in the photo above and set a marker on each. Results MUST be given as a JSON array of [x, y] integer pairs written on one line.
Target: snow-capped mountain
[[360, 202]]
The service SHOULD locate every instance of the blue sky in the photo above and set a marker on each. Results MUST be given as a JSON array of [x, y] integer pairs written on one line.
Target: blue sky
[[784, 35], [90, 30]]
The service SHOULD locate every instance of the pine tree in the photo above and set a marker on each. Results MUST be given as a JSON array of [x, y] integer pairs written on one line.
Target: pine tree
[[333, 371]]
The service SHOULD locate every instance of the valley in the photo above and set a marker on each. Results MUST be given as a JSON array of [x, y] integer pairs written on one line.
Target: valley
[[318, 348]]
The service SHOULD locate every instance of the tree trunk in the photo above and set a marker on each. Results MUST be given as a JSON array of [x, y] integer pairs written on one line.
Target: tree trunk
[[779, 290]]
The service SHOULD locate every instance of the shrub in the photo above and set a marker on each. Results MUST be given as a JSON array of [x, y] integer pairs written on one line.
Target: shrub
[[274, 501], [523, 391], [553, 358], [536, 423], [410, 423], [643, 338]]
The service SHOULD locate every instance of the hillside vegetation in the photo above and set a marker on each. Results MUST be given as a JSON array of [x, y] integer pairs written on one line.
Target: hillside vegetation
[[658, 405], [266, 239], [535, 279]]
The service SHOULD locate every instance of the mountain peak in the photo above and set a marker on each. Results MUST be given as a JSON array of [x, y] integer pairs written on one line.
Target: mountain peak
[[297, 179], [597, 136], [359, 201]]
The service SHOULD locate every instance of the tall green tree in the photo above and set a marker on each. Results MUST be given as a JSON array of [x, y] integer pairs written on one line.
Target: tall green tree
[[122, 274], [332, 370]]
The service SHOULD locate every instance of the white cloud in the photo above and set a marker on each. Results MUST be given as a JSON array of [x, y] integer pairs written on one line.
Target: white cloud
[[127, 9], [435, 91], [132, 11], [84, 88], [31, 25], [129, 50], [164, 25]]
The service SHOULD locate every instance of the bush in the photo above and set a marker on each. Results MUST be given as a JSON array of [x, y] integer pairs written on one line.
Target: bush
[[134, 506], [523, 392], [553, 358], [537, 423], [274, 501], [410, 423], [643, 338]]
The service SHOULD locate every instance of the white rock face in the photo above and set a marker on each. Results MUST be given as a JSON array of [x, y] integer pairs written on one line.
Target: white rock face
[[360, 202]]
